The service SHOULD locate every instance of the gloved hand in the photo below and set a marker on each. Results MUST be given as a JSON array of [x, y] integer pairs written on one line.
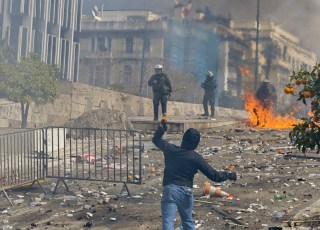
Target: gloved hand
[[232, 176]]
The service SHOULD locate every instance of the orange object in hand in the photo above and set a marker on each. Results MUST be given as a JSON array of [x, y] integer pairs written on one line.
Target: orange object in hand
[[164, 117]]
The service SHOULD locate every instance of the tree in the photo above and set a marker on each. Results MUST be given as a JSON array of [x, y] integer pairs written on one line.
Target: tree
[[30, 80], [6, 53], [306, 135]]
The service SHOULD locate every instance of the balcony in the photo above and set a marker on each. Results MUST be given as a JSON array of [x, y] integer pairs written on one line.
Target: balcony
[[123, 25], [114, 55]]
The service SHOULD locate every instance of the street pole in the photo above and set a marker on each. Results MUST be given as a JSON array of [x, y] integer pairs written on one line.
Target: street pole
[[142, 59], [257, 48]]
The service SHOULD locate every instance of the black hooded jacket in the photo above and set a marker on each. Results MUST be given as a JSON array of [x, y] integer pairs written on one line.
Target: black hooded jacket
[[182, 163]]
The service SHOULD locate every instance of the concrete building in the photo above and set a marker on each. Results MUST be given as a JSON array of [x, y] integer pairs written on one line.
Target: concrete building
[[280, 53], [46, 27], [192, 42], [224, 50], [119, 49], [112, 49]]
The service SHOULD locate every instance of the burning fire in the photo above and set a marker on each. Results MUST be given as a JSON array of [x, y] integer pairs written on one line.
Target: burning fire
[[264, 117], [245, 71]]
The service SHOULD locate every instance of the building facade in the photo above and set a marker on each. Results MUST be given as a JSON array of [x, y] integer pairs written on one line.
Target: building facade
[[119, 49], [280, 53], [45, 27]]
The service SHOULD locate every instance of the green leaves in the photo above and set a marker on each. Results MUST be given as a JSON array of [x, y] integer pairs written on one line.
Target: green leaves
[[306, 135], [31, 80]]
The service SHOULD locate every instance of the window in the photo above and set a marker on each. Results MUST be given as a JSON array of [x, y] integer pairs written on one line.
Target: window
[[52, 11], [98, 81], [24, 42], [16, 6], [101, 45], [38, 39], [127, 74], [146, 45], [129, 45], [66, 14], [38, 8], [27, 7], [93, 44], [109, 43]]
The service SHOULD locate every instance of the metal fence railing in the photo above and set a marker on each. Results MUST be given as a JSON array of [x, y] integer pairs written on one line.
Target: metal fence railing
[[108, 155], [22, 158]]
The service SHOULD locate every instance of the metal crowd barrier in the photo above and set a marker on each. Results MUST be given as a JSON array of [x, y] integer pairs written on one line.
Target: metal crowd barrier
[[109, 155], [22, 159]]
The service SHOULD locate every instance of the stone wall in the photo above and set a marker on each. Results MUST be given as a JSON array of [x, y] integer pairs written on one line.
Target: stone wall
[[76, 99]]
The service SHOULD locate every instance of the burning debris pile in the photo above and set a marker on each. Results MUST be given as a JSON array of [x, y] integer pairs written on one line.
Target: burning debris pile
[[102, 119], [264, 117]]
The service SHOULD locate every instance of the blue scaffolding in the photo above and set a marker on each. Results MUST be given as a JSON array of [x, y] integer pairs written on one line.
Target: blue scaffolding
[[191, 48]]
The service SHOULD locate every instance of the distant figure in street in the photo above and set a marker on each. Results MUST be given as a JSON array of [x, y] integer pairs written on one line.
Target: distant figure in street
[[161, 87], [209, 86], [181, 164], [267, 95]]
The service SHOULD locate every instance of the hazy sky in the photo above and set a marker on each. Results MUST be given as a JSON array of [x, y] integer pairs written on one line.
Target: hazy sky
[[300, 17]]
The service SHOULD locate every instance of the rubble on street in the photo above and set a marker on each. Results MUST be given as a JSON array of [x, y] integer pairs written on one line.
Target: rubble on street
[[274, 189]]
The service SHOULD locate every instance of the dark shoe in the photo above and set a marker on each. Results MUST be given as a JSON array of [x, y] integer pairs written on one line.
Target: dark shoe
[[205, 115], [212, 115]]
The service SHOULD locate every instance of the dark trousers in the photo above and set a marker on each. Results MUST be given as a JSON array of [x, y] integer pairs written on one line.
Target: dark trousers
[[208, 98], [159, 99]]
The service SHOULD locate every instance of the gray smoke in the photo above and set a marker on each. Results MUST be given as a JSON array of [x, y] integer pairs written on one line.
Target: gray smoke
[[299, 17]]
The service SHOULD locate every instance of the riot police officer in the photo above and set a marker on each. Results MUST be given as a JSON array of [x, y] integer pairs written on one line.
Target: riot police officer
[[209, 86], [161, 87]]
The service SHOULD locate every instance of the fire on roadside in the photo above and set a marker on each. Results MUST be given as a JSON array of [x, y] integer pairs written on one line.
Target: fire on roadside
[[265, 118]]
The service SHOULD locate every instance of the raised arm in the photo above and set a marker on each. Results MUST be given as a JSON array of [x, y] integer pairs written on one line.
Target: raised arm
[[157, 137], [213, 174]]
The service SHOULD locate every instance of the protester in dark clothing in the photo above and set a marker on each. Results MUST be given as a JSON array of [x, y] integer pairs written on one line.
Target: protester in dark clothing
[[209, 86], [161, 88], [267, 94], [181, 164]]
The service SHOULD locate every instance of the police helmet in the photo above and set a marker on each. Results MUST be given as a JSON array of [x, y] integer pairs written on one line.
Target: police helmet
[[159, 66], [209, 74]]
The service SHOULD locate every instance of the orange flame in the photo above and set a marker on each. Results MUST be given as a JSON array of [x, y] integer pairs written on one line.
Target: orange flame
[[245, 71], [264, 117]]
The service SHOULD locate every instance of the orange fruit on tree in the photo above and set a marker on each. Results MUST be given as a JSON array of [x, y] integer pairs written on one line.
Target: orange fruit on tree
[[312, 125], [303, 81], [292, 89], [307, 94], [298, 82], [287, 90]]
